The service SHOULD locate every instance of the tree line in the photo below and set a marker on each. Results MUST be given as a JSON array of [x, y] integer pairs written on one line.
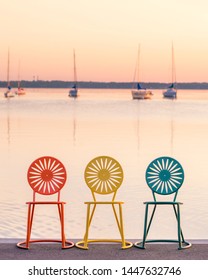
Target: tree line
[[91, 84]]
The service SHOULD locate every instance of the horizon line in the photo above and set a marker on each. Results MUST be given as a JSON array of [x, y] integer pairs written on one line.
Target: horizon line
[[104, 82]]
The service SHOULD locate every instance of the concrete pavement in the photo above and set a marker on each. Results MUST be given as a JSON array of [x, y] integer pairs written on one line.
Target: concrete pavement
[[97, 251]]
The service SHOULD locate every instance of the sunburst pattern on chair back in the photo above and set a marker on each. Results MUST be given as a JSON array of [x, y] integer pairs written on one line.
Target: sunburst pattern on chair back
[[46, 175], [164, 175], [103, 175]]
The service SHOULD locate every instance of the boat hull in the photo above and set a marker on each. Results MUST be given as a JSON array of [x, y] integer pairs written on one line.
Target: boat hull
[[9, 94], [20, 91], [141, 94], [73, 93], [170, 93]]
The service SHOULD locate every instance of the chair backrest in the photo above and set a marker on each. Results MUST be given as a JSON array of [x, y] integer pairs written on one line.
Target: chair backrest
[[46, 176], [164, 176], [103, 175]]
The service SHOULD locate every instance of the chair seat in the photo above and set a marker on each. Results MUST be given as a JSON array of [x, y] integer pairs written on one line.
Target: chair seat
[[46, 202], [104, 202], [163, 202]]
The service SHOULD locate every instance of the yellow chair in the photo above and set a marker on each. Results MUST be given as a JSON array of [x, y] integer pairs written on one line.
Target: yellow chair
[[104, 175]]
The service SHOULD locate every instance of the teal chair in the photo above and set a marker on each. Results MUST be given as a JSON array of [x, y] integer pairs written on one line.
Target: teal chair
[[164, 176]]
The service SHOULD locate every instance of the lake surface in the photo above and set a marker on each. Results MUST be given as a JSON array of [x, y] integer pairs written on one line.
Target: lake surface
[[103, 122]]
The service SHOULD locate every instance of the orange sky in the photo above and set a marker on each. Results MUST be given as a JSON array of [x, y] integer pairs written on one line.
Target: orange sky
[[105, 34]]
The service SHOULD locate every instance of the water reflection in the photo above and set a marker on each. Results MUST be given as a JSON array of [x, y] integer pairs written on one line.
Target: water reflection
[[77, 130], [74, 121], [8, 122], [138, 126], [172, 126]]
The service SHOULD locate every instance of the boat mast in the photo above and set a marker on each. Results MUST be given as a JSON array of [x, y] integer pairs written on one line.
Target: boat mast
[[136, 71], [173, 66], [138, 62], [75, 71], [8, 64], [18, 84]]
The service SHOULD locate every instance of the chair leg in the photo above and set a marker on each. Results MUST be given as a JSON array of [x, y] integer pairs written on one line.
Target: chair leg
[[147, 225], [65, 244], [61, 216], [151, 218], [31, 209], [181, 239], [121, 227], [25, 244], [84, 243], [179, 226], [147, 228], [116, 217], [119, 221], [90, 212], [88, 222]]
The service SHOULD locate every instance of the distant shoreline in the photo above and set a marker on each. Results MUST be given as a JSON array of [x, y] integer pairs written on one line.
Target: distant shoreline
[[97, 85]]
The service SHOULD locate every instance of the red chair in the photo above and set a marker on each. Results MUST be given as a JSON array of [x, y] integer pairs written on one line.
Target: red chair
[[46, 176]]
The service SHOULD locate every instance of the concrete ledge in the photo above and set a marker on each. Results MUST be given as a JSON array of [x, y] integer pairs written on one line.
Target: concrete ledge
[[51, 251]]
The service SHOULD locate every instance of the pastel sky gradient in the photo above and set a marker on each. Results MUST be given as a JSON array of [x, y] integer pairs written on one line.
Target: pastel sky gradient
[[105, 34]]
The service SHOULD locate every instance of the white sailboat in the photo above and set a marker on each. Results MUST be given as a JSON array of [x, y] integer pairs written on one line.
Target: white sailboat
[[8, 92], [20, 90], [171, 91], [138, 92], [74, 89]]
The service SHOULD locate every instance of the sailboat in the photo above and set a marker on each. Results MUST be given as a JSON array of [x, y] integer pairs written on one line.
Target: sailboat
[[171, 91], [20, 90], [9, 92], [74, 89], [139, 92]]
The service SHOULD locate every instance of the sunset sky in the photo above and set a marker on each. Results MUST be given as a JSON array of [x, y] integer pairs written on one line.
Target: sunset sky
[[42, 34]]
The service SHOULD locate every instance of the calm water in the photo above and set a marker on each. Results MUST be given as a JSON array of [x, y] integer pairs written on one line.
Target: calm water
[[103, 122]]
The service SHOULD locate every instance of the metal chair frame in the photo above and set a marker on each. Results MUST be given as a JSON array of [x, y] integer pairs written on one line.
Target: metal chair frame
[[46, 176], [164, 176], [104, 175]]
